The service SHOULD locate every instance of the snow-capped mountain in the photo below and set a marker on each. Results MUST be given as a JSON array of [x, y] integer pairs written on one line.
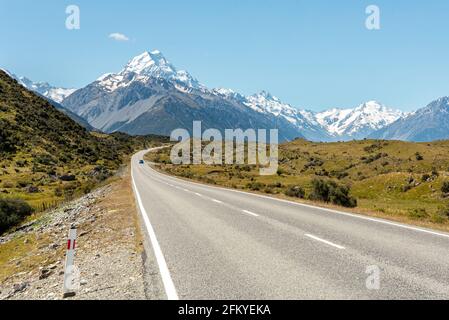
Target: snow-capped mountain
[[43, 88], [427, 124], [145, 66], [52, 95], [149, 82], [304, 120], [358, 123], [149, 95]]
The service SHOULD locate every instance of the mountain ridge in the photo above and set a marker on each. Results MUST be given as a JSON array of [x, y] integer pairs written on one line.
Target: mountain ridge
[[102, 102], [424, 125]]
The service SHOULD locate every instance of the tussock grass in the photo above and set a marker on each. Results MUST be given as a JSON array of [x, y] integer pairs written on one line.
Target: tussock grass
[[387, 178]]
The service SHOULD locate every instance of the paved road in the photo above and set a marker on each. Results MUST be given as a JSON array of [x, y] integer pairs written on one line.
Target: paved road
[[213, 243]]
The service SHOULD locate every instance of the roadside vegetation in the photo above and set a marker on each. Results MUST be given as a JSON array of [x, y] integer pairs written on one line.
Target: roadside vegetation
[[46, 158], [400, 180]]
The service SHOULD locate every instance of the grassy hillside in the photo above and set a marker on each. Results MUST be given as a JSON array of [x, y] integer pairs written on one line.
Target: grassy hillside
[[45, 157], [393, 179]]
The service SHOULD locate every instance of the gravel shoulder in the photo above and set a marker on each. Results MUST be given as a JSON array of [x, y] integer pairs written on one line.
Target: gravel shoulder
[[110, 254]]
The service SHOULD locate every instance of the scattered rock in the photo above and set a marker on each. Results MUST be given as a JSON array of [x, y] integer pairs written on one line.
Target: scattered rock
[[82, 234], [45, 273], [67, 177], [20, 287], [32, 189], [53, 266], [54, 246]]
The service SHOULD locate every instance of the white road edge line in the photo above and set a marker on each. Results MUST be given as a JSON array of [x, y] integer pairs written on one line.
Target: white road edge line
[[250, 213], [325, 241], [170, 289], [361, 217]]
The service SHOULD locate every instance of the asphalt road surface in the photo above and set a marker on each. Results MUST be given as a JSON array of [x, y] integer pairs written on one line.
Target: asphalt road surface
[[215, 243]]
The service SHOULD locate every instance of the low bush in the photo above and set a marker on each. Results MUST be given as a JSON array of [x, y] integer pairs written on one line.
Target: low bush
[[419, 213], [419, 157], [255, 186], [295, 191], [12, 212], [445, 187], [330, 191]]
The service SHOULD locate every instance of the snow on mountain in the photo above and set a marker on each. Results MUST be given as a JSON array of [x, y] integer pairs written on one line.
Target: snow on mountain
[[358, 123], [427, 124], [330, 125], [149, 95], [228, 94], [145, 66], [304, 120], [142, 74], [43, 88]]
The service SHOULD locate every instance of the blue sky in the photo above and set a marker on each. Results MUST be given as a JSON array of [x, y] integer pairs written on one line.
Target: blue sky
[[312, 54]]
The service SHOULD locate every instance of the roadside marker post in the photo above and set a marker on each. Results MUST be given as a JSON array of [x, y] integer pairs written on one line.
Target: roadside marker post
[[70, 270]]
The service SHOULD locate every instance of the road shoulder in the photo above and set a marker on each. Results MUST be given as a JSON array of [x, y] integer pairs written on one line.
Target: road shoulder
[[110, 255]]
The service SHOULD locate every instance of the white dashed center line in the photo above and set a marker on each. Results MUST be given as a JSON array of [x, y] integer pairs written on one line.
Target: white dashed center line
[[325, 241], [217, 201], [250, 213]]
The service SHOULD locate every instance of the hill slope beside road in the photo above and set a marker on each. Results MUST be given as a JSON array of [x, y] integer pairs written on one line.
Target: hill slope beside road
[[110, 253], [46, 157], [403, 181]]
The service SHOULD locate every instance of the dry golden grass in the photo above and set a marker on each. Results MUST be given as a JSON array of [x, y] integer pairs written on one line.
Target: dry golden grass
[[386, 177]]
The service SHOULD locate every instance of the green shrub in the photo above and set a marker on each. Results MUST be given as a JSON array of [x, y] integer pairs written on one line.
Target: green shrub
[[420, 213], [268, 190], [329, 191], [280, 172], [12, 212], [276, 185], [444, 212], [419, 157], [295, 191], [255, 186], [438, 218], [445, 187]]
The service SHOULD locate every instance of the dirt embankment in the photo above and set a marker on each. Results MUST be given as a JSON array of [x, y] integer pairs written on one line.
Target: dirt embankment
[[110, 254]]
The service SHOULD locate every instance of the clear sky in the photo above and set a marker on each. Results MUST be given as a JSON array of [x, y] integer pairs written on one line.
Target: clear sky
[[312, 54]]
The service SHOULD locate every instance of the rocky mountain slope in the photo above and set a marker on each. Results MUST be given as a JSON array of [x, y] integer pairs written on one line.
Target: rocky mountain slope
[[358, 123], [53, 95], [151, 96], [43, 88], [428, 124]]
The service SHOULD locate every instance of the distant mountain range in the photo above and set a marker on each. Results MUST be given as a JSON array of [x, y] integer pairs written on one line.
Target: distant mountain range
[[150, 96], [51, 94], [43, 88], [428, 124]]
